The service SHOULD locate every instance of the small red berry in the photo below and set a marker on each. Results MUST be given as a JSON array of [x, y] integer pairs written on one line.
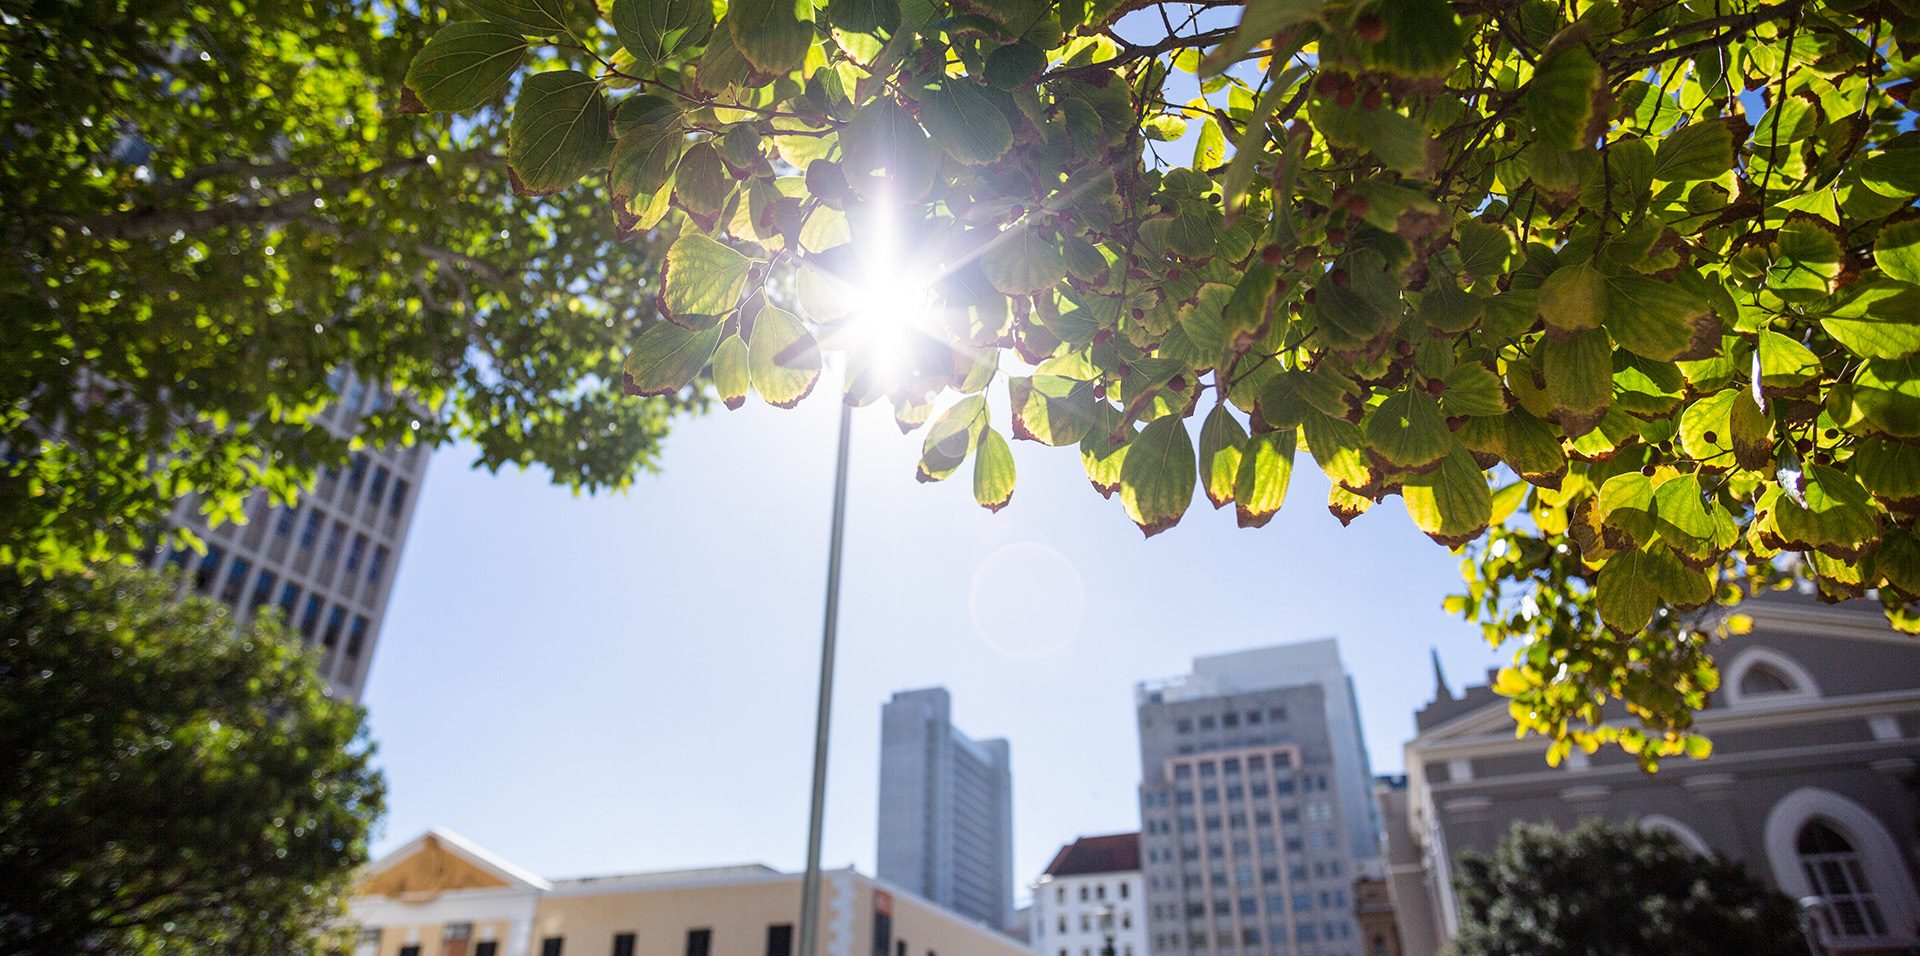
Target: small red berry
[[1340, 277], [1436, 387], [1337, 236], [1100, 391], [1179, 383], [1103, 336], [1356, 205], [1370, 27], [1345, 98], [1711, 438], [1271, 255], [1370, 101]]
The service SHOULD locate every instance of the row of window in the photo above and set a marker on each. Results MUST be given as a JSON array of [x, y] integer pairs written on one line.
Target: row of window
[[1125, 950], [1099, 892], [1303, 902], [699, 942], [357, 551], [1297, 873], [1124, 917], [1255, 763], [376, 487], [1199, 941], [307, 618], [1230, 720]]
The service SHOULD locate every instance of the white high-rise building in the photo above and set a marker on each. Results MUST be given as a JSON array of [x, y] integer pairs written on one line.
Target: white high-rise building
[[328, 563], [1256, 805], [946, 809], [1090, 894]]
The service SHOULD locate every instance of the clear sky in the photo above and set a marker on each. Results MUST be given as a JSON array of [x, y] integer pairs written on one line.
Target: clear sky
[[590, 685]]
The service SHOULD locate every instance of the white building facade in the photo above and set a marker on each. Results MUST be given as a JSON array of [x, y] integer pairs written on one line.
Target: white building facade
[[1091, 878]]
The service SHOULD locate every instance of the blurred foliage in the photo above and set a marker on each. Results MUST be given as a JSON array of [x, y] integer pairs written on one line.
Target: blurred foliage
[[172, 784], [1608, 888], [1635, 284], [211, 209]]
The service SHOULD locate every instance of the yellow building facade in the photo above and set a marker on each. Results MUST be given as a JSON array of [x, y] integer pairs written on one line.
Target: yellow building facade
[[441, 895]]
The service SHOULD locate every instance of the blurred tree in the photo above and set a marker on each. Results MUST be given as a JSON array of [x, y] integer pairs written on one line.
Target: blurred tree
[[1619, 890], [169, 780], [211, 209]]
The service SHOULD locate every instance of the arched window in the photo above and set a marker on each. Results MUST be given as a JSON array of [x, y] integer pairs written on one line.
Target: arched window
[[1763, 679], [1833, 870], [1760, 675]]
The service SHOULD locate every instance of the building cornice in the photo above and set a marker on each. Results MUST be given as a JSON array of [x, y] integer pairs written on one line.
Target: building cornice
[[1447, 794]]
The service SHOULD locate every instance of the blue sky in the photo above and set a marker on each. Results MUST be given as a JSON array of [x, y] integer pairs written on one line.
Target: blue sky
[[625, 682]]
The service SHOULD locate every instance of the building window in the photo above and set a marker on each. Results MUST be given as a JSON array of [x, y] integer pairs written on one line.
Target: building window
[[356, 553], [209, 569], [283, 525], [263, 590], [1123, 889], [699, 942], [310, 532], [378, 565], [1083, 893], [334, 541], [1063, 922], [551, 945], [1832, 865], [289, 599], [1763, 679], [356, 473], [356, 636], [411, 949], [310, 617], [1059, 894], [378, 487], [236, 582], [623, 944], [1206, 723], [401, 489], [336, 619], [486, 947], [1100, 891], [780, 939]]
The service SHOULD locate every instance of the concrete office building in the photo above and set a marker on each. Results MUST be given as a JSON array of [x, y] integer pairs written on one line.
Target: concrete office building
[[946, 809], [1088, 894], [1256, 805], [326, 563], [440, 895], [1811, 786]]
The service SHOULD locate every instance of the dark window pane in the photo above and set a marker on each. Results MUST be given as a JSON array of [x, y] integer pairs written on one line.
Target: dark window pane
[[487, 948], [780, 939], [356, 636], [551, 945], [236, 582], [699, 942], [622, 942], [263, 589], [336, 620], [377, 487], [209, 569]]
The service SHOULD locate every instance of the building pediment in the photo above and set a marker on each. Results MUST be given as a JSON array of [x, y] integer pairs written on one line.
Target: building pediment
[[437, 863]]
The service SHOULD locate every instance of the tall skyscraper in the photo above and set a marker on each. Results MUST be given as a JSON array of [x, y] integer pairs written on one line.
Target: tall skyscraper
[[946, 809], [328, 562], [1256, 805]]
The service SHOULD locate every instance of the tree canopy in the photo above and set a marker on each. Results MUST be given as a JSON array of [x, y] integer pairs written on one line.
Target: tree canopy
[[170, 781], [212, 209], [1627, 292], [1621, 890]]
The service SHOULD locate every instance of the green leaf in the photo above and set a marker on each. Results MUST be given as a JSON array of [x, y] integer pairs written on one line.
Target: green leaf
[[993, 472], [730, 372], [1266, 468], [1807, 260], [1103, 450], [1838, 518], [782, 358], [1706, 428], [1699, 150], [1579, 373], [952, 438], [966, 122], [1574, 297], [770, 35], [1451, 503], [1421, 38], [657, 30], [643, 162], [1897, 250], [1408, 430], [1339, 449], [1880, 320], [1751, 433], [1559, 99], [1484, 249], [465, 65], [864, 16], [1021, 261], [667, 357], [1677, 502], [1784, 363], [1210, 147], [559, 131], [704, 277], [701, 182], [1659, 320], [1628, 592], [883, 136], [1221, 442], [534, 18], [1158, 476], [1049, 408], [1472, 389], [1016, 66]]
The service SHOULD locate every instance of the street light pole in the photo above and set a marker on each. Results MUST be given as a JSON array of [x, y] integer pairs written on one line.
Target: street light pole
[[810, 883]]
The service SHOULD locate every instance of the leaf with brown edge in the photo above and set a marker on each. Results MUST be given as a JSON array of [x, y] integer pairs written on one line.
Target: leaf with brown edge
[[1221, 442], [1451, 503], [1838, 519], [1266, 469], [1751, 433], [1345, 505], [730, 376], [1103, 449], [1660, 320], [1574, 297], [1578, 368], [952, 438], [782, 358], [1628, 592], [1158, 476], [667, 357], [993, 471], [704, 277], [1339, 448], [1408, 430]]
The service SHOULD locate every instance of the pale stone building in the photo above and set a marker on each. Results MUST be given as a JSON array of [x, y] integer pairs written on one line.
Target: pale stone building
[[1090, 893]]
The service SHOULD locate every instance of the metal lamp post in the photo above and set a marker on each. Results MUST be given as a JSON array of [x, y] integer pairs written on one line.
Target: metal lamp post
[[810, 883]]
